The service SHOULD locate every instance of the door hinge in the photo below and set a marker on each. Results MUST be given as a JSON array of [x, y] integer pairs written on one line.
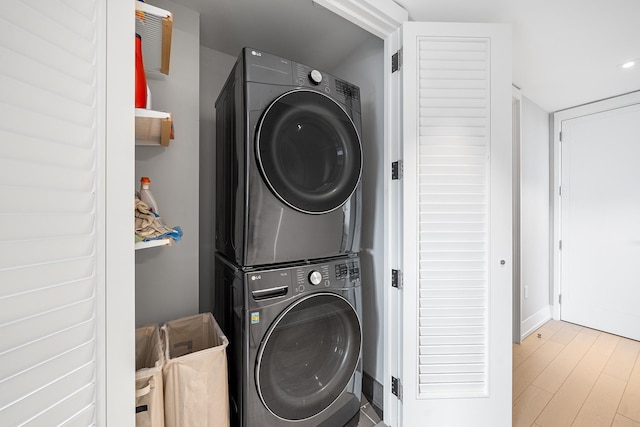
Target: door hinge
[[560, 136], [396, 387], [560, 299], [396, 170], [560, 191], [396, 61], [396, 279], [560, 245]]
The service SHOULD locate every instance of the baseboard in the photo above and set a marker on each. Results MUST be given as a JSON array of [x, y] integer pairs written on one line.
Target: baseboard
[[536, 320], [373, 391]]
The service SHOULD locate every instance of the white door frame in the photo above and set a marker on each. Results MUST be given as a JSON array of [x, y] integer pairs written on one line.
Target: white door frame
[[558, 118], [517, 234], [116, 311], [379, 17], [116, 322]]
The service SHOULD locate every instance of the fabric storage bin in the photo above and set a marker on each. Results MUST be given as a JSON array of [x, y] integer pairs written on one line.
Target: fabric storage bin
[[149, 390], [195, 373]]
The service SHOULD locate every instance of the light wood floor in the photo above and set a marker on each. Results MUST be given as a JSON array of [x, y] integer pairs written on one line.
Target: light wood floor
[[568, 375]]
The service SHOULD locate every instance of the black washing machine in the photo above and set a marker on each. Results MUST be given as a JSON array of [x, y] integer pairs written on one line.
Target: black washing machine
[[295, 338], [288, 163]]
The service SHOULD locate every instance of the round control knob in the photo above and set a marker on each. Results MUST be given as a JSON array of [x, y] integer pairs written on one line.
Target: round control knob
[[315, 77], [315, 277]]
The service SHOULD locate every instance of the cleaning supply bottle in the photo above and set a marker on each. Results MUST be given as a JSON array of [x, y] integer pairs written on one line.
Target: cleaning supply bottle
[[146, 196], [140, 77]]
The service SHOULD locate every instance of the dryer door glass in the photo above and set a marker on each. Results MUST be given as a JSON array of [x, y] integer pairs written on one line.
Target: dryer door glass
[[308, 356], [309, 151]]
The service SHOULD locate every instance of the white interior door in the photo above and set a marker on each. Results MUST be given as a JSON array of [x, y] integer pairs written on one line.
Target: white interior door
[[455, 337], [600, 225]]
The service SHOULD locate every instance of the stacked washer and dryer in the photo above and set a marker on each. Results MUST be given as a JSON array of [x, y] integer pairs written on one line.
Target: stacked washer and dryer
[[288, 211]]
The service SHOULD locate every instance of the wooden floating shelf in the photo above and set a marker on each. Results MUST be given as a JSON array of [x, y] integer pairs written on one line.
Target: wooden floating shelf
[[153, 127], [153, 244], [155, 27]]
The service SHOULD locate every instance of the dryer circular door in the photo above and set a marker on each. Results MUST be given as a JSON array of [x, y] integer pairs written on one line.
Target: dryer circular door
[[309, 151], [308, 356]]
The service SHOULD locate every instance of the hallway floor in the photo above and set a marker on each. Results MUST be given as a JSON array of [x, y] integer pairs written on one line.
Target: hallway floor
[[569, 375]]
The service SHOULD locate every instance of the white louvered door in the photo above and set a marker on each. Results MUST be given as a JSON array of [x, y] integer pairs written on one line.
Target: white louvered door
[[49, 128], [456, 298]]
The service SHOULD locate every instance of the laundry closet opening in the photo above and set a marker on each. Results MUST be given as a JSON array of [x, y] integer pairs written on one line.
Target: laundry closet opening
[[312, 35]]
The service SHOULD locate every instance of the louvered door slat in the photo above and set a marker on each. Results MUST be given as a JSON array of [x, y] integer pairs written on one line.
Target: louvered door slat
[[22, 358], [59, 414], [48, 187], [47, 396], [453, 209]]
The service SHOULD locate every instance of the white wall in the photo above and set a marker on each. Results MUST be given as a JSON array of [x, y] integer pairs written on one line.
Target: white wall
[[364, 68], [214, 70], [535, 214], [167, 277]]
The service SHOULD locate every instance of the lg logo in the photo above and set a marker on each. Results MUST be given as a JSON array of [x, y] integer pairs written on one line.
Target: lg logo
[[256, 277]]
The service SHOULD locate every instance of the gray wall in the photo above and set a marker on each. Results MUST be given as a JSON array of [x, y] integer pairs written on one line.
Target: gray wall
[[167, 277], [364, 67], [214, 69], [534, 210]]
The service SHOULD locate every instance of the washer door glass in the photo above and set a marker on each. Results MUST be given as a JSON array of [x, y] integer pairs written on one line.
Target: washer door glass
[[308, 356], [309, 151]]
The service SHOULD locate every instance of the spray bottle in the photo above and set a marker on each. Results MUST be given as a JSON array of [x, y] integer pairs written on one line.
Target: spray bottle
[[146, 196]]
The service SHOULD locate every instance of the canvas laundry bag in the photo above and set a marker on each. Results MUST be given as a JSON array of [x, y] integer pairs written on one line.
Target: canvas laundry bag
[[195, 373], [149, 390]]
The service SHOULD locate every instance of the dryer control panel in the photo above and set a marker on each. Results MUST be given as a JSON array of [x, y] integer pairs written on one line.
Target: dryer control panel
[[306, 76], [310, 77]]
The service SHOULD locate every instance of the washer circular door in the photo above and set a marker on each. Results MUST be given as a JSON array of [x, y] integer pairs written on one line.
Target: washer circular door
[[308, 356], [309, 151]]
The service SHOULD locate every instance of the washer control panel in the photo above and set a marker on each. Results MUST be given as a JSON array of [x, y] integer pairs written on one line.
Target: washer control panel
[[275, 284], [315, 77], [350, 269], [334, 274], [307, 277], [315, 277]]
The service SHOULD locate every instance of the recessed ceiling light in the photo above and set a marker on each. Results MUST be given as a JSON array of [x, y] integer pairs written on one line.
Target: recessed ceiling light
[[629, 64]]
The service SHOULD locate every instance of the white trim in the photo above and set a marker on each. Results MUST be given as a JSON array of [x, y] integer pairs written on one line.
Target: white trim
[[379, 17], [118, 301], [392, 229], [536, 320], [601, 105], [517, 233], [557, 119], [555, 220]]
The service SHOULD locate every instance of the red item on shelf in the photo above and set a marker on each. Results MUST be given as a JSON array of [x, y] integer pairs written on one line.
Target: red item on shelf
[[141, 78]]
